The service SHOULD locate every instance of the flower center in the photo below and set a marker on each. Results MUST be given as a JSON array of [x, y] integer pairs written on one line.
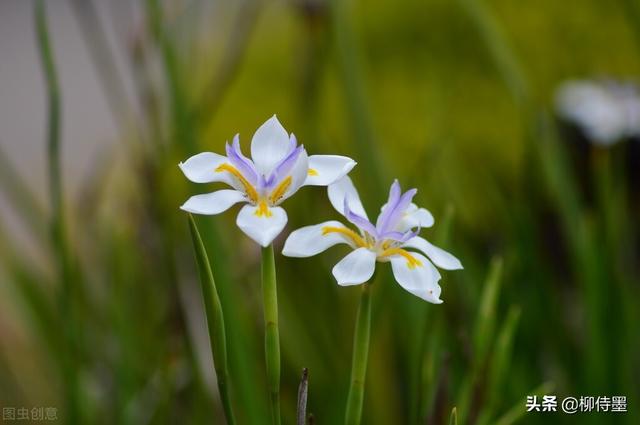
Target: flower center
[[263, 209], [280, 190], [250, 191]]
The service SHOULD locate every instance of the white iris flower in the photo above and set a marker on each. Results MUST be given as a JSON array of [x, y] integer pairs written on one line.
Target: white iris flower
[[394, 238], [277, 169], [606, 111]]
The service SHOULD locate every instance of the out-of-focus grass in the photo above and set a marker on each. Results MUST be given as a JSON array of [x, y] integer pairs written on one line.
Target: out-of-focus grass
[[450, 97]]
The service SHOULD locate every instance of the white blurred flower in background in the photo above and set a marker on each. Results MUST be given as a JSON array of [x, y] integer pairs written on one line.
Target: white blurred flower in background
[[606, 111]]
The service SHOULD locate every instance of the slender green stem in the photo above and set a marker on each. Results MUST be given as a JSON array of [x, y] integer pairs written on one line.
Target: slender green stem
[[94, 36], [361, 338], [271, 336], [303, 393], [58, 232], [355, 95], [215, 320], [183, 131]]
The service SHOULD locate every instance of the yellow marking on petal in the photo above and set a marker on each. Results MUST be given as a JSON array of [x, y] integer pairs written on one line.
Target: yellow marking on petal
[[263, 209], [248, 187], [412, 262], [312, 172], [356, 238], [280, 190]]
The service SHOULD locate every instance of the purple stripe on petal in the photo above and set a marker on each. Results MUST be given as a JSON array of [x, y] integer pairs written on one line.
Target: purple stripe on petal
[[241, 162], [396, 236], [359, 221], [401, 237], [396, 206], [409, 234], [284, 167], [403, 204], [394, 197]]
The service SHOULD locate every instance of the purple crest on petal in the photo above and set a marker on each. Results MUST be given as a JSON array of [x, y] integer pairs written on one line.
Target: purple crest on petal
[[395, 208], [396, 236], [359, 221], [293, 142], [284, 166], [400, 236], [241, 162], [394, 197], [410, 234]]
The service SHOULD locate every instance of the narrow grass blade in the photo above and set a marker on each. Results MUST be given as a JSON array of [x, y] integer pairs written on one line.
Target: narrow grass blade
[[506, 62], [103, 60], [519, 409], [485, 322], [303, 391], [483, 335], [499, 364], [183, 128], [58, 231], [502, 349], [242, 351], [272, 335], [355, 99], [215, 320], [453, 419]]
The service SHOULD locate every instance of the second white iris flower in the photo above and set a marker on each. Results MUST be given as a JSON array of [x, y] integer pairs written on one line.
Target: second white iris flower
[[389, 240]]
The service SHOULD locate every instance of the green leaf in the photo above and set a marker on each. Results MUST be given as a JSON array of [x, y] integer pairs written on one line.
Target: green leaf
[[518, 410], [453, 419], [485, 322], [215, 320]]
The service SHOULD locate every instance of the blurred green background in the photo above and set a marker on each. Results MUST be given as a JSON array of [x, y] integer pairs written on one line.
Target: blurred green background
[[101, 312]]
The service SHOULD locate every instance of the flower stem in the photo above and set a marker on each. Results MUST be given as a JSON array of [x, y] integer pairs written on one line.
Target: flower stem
[[70, 364], [361, 338], [215, 320], [271, 337]]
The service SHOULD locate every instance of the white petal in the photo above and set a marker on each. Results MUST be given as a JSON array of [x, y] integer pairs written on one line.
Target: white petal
[[201, 168], [345, 188], [421, 280], [214, 202], [311, 240], [261, 228], [439, 256], [414, 217], [327, 169], [298, 174], [269, 145], [355, 268]]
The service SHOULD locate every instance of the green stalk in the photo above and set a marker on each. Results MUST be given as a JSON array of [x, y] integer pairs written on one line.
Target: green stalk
[[215, 320], [361, 338], [101, 55], [58, 232], [271, 335], [355, 96]]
